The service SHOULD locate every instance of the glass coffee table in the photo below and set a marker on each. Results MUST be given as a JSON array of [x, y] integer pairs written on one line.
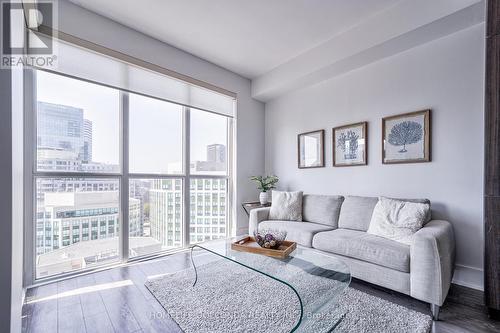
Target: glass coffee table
[[316, 278]]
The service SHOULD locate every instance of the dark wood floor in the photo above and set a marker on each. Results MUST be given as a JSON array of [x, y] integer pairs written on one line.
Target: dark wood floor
[[116, 300]]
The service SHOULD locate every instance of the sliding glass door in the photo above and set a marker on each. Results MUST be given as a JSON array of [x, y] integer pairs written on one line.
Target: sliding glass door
[[117, 175]]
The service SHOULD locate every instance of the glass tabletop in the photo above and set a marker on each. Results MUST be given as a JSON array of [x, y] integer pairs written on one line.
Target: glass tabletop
[[316, 278]]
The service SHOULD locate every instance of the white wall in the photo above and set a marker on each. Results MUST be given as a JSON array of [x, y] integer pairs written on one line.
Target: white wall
[[445, 75], [250, 118], [17, 292], [11, 200]]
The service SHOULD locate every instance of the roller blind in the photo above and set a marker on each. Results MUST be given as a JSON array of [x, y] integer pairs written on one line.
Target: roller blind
[[87, 64]]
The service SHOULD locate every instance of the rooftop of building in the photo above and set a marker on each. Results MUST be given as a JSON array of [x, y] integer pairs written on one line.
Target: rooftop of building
[[86, 249]]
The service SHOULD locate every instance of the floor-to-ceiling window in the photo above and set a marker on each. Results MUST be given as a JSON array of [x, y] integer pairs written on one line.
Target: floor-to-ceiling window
[[119, 174]]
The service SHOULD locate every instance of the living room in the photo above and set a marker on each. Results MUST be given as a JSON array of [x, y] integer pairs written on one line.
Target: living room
[[250, 166]]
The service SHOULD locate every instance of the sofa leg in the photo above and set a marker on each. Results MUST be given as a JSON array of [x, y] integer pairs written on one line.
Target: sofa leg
[[435, 311]]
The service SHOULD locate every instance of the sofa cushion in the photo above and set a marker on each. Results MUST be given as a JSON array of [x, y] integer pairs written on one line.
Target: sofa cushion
[[300, 232], [398, 220], [376, 274], [422, 201], [322, 209], [286, 206], [366, 247], [356, 212]]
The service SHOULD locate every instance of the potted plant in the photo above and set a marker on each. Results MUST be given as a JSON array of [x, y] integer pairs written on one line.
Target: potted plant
[[265, 184]]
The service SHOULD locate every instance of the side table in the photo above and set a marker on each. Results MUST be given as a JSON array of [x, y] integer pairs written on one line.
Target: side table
[[248, 206]]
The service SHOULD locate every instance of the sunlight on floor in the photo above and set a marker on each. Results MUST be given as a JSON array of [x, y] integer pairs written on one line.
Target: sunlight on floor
[[84, 290], [155, 276]]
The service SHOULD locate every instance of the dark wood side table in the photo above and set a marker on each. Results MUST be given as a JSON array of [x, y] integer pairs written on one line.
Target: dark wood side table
[[248, 206]]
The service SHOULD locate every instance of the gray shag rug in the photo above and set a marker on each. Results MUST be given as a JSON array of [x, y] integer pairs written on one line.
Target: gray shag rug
[[232, 298]]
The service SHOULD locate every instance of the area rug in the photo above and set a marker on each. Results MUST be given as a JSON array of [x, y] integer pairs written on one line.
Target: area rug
[[231, 298]]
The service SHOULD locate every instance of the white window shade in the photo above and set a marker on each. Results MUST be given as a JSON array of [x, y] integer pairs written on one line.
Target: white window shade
[[89, 65], [207, 100]]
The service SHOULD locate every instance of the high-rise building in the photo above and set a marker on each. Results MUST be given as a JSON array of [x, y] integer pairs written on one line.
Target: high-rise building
[[216, 153], [64, 140], [66, 218], [87, 140], [215, 161], [60, 127], [207, 210], [165, 216], [139, 189], [80, 229], [208, 216]]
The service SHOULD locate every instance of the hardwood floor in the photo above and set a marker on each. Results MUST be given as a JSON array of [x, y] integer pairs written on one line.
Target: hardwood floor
[[463, 311], [116, 300]]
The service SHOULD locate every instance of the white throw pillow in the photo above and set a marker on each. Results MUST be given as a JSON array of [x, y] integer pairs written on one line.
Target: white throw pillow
[[286, 206], [398, 220]]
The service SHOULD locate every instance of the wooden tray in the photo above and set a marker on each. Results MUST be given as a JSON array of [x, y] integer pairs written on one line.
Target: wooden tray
[[248, 244]]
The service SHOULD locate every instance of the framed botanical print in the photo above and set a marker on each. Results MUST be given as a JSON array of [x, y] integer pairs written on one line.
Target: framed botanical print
[[406, 138], [310, 148], [350, 145]]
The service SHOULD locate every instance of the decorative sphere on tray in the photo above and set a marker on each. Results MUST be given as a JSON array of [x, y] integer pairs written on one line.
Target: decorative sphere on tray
[[269, 239]]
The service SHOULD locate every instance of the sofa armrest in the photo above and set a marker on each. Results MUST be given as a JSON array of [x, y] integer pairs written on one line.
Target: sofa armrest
[[257, 215], [432, 259]]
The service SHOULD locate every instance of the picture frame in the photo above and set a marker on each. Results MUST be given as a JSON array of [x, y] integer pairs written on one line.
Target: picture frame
[[350, 145], [311, 149], [406, 138]]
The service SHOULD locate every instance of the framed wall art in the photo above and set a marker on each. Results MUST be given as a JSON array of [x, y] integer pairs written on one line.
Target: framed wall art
[[406, 138], [350, 144], [310, 148]]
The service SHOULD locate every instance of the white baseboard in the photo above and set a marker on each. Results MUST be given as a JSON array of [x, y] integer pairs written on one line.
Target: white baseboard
[[468, 276]]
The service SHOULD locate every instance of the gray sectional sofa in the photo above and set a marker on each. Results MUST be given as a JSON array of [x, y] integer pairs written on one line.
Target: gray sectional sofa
[[338, 225]]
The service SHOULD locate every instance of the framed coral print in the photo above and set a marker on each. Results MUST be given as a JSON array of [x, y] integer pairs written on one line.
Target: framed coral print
[[310, 149], [406, 138], [350, 145]]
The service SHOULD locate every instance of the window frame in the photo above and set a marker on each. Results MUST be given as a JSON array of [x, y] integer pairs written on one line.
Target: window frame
[[31, 174]]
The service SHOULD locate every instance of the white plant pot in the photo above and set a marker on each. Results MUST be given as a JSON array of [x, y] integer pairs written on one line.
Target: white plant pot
[[264, 198]]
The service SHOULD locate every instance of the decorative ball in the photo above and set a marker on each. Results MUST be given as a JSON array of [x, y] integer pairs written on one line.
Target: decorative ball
[[269, 239]]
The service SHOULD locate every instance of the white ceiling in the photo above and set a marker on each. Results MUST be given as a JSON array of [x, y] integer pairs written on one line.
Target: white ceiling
[[249, 37]]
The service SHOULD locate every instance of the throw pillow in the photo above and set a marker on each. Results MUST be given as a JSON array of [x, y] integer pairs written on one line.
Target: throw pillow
[[286, 206], [398, 220]]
